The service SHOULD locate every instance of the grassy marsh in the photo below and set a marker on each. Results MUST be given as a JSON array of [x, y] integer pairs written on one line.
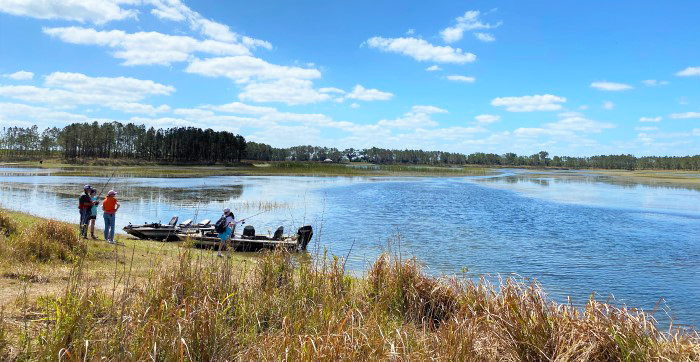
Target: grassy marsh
[[154, 301], [105, 169]]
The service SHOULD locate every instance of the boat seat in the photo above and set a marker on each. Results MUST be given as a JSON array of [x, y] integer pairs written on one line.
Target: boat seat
[[173, 221], [186, 223], [205, 222], [278, 233]]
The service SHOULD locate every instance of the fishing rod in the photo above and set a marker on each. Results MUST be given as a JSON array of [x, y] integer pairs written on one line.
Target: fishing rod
[[105, 185], [243, 220]]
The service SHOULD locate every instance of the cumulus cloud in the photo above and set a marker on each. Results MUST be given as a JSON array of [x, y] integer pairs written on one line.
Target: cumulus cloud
[[331, 90], [646, 128], [246, 68], [650, 119], [469, 21], [433, 68], [241, 108], [418, 116], [21, 75], [461, 78], [291, 91], [654, 82], [689, 72], [685, 115], [485, 37], [421, 50], [146, 48], [487, 118], [355, 105], [610, 86], [94, 11], [608, 105], [364, 94], [71, 89], [546, 102]]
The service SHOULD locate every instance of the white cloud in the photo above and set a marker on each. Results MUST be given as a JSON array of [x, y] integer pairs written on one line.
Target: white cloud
[[685, 115], [650, 119], [146, 48], [118, 87], [433, 68], [461, 78], [485, 37], [175, 10], [583, 107], [545, 102], [470, 21], [355, 105], [291, 91], [487, 118], [610, 86], [331, 90], [579, 124], [608, 105], [37, 115], [140, 108], [654, 82], [241, 108], [21, 75], [418, 116], [421, 50], [646, 128], [245, 68], [690, 71], [364, 94], [410, 31], [94, 11], [71, 89]]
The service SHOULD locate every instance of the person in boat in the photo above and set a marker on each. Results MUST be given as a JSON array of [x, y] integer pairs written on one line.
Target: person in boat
[[230, 223], [85, 206], [110, 205], [93, 213]]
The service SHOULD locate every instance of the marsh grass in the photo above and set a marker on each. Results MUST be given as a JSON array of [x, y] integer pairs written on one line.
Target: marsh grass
[[282, 306], [45, 241]]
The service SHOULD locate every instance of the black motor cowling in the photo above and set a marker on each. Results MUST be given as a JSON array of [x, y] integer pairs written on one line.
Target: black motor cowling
[[305, 233], [278, 233], [249, 232]]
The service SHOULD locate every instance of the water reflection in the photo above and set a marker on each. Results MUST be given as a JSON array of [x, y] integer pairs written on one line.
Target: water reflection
[[635, 241]]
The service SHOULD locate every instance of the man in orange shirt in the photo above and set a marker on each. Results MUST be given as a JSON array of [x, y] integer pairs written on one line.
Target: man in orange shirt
[[110, 205]]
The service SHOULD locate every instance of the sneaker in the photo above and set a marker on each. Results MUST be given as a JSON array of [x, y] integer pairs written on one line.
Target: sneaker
[[111, 241]]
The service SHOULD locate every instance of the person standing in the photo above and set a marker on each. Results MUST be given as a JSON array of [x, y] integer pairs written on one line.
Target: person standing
[[93, 213], [110, 205], [230, 224], [85, 207]]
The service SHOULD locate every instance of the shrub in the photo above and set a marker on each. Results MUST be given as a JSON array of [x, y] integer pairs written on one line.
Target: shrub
[[48, 240]]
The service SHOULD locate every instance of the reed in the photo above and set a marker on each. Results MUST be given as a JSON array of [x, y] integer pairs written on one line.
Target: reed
[[289, 307]]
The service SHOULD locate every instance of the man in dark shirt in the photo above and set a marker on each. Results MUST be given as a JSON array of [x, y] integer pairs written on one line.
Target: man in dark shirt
[[85, 207]]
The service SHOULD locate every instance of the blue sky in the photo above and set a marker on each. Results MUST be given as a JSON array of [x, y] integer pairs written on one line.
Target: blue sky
[[573, 78]]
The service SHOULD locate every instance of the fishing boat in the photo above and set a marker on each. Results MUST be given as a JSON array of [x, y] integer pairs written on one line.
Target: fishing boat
[[203, 234], [169, 231], [248, 240]]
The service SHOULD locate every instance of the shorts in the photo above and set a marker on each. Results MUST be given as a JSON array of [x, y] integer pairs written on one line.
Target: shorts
[[224, 236], [93, 217]]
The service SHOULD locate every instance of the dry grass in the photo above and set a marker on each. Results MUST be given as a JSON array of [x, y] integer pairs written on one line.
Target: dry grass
[[287, 307]]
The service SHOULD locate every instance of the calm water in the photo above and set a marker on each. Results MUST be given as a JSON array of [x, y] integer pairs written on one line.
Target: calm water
[[574, 232]]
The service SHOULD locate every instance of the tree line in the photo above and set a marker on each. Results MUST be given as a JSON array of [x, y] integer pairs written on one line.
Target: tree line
[[195, 145]]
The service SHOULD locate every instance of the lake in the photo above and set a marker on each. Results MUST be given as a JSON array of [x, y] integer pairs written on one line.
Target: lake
[[575, 232]]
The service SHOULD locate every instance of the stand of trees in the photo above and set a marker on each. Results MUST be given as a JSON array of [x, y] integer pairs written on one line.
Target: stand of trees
[[195, 145]]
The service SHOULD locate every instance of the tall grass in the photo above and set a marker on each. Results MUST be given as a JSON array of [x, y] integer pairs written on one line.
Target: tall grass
[[293, 309], [44, 241]]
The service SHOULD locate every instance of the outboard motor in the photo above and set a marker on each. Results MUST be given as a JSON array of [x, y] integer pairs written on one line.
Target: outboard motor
[[249, 232], [305, 233], [278, 233], [173, 221]]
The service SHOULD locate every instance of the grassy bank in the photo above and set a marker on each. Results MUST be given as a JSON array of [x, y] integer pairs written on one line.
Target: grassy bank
[[107, 167], [139, 302]]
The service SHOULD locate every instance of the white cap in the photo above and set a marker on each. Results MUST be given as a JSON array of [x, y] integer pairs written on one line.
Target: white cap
[[87, 187], [111, 193], [226, 210]]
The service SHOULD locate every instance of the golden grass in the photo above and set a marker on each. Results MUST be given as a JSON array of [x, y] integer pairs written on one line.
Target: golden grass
[[284, 307]]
